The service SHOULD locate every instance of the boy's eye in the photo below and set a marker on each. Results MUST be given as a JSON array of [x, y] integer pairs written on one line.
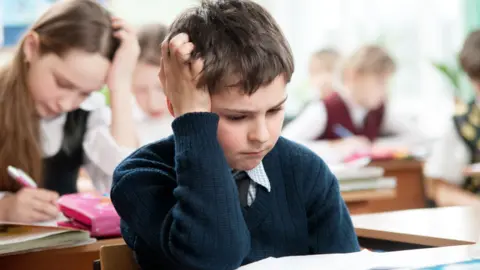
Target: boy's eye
[[236, 117], [274, 111]]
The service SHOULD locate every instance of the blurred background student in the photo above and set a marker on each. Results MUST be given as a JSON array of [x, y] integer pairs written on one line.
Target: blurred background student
[[355, 115], [152, 119], [51, 120], [321, 70]]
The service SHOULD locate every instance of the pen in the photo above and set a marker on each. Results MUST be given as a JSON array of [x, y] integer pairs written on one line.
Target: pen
[[341, 131], [21, 177]]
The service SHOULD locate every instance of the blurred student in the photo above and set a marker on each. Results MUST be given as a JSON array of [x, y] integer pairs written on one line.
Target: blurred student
[[152, 119], [460, 143], [322, 69], [51, 120], [353, 117]]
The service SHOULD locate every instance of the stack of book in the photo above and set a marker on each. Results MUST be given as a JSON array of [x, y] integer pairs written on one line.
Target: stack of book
[[354, 178]]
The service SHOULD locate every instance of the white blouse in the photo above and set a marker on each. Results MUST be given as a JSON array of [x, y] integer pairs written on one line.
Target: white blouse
[[102, 154], [450, 156]]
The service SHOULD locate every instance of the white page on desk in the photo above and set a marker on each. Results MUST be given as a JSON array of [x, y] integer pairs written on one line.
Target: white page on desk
[[366, 260], [351, 261], [52, 223]]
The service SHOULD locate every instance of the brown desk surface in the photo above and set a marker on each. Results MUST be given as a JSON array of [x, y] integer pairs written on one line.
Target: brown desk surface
[[75, 258], [431, 227]]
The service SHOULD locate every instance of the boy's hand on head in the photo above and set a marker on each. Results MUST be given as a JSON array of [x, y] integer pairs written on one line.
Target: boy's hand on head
[[179, 74], [125, 59]]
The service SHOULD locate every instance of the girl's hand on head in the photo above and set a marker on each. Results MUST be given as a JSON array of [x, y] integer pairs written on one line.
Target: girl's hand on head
[[32, 205], [126, 56], [179, 75]]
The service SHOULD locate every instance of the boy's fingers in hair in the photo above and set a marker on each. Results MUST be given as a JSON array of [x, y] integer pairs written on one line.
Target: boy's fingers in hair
[[196, 67], [185, 51], [177, 41], [121, 34], [161, 73], [165, 55]]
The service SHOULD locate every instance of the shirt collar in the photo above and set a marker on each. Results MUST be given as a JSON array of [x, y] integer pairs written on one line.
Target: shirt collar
[[259, 176], [95, 100]]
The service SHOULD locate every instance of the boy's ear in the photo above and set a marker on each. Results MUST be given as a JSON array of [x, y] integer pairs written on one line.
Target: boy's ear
[[170, 108], [31, 46]]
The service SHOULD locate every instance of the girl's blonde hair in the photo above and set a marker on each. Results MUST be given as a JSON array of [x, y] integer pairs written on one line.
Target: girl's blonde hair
[[370, 59]]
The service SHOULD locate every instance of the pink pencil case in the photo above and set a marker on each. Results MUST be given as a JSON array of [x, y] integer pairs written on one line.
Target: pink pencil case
[[91, 212]]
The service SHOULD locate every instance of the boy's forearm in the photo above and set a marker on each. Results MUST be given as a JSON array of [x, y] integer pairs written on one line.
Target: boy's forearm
[[208, 203]]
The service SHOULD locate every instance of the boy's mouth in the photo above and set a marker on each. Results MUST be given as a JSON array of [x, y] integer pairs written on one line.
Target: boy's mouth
[[255, 153]]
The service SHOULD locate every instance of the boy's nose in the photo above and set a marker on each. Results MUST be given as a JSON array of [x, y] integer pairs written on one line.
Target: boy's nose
[[260, 133]]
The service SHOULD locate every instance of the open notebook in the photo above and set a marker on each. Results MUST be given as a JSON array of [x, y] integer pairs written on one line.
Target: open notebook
[[20, 238]]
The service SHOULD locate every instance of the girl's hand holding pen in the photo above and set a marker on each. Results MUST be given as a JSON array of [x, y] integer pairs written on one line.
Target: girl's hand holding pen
[[32, 205]]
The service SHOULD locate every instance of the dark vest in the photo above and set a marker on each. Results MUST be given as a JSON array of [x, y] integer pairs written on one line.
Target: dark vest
[[338, 114], [61, 170], [467, 123]]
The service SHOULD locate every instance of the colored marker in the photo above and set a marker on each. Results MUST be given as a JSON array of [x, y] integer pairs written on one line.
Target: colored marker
[[21, 177], [341, 131]]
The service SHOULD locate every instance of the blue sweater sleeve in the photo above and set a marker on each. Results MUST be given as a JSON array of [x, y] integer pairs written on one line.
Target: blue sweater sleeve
[[202, 225], [329, 223]]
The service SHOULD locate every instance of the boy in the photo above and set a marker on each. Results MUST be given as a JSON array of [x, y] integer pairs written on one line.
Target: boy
[[458, 147], [322, 68], [354, 116], [224, 69]]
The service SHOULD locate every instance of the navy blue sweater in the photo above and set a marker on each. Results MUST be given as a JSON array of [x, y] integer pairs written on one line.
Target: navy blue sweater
[[180, 208]]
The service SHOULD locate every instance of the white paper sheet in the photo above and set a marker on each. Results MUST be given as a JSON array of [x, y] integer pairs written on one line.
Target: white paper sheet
[[366, 260]]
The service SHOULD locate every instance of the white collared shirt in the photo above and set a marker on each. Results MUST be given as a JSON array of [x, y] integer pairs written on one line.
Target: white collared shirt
[[449, 156], [258, 177]]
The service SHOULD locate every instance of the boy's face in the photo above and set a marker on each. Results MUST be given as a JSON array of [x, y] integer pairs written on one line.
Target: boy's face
[[249, 126], [370, 89]]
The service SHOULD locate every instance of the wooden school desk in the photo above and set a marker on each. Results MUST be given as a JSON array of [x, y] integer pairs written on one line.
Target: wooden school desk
[[410, 229], [75, 258], [408, 194]]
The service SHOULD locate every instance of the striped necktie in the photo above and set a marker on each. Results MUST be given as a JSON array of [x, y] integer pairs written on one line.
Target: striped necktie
[[243, 183]]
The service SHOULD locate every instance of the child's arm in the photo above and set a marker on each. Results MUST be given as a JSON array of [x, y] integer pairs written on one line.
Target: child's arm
[[120, 81], [309, 125], [402, 131], [329, 223], [201, 226], [102, 152]]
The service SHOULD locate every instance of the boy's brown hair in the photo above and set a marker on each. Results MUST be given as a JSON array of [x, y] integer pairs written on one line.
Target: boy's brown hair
[[240, 43], [370, 59], [149, 38], [470, 55]]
